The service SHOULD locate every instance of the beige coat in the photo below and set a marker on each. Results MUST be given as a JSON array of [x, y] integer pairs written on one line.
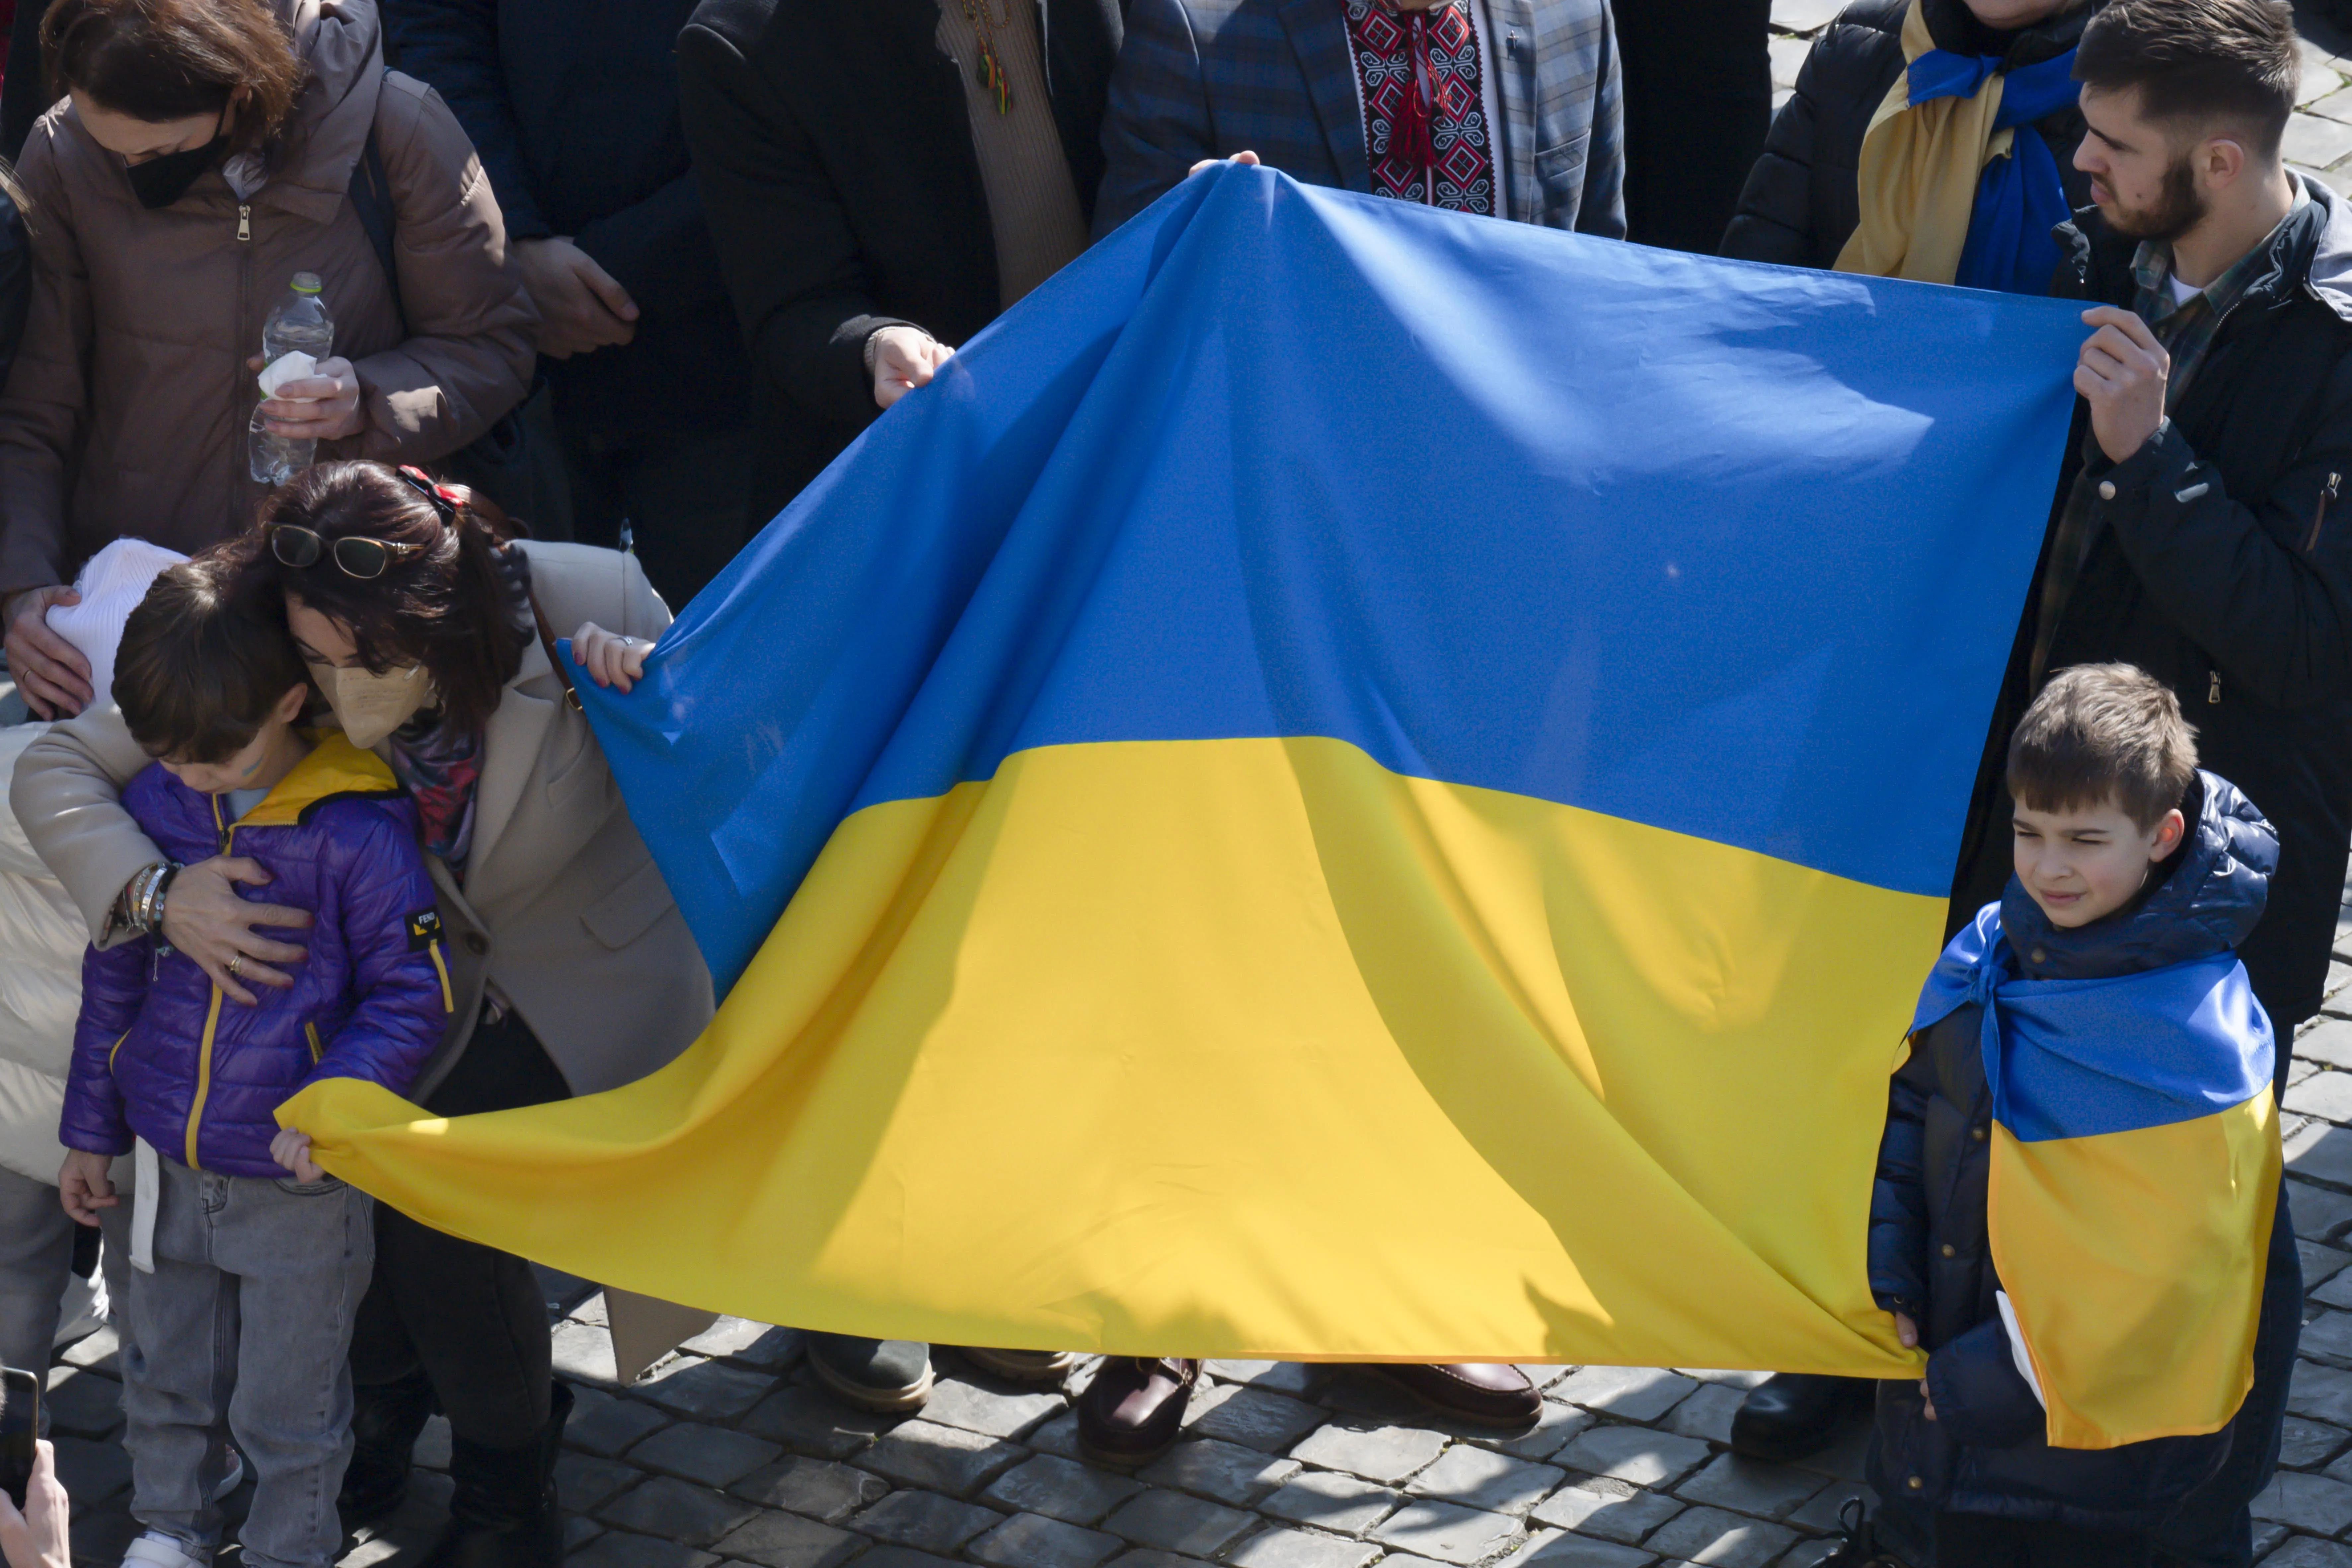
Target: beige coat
[[127, 407], [561, 905]]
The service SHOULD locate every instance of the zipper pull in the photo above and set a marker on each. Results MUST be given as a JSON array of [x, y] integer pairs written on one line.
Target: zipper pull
[[244, 221], [2319, 515], [2214, 691]]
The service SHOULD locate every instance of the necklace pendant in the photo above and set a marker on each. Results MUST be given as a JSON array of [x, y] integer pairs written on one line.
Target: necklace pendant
[[993, 80]]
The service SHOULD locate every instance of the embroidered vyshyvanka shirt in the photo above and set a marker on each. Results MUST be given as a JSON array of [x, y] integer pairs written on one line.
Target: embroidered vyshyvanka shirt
[[1425, 86]]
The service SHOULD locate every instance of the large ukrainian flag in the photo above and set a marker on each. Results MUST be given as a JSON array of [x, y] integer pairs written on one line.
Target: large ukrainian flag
[[1350, 781]]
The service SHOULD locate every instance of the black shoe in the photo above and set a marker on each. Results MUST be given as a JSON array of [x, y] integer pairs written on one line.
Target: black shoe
[[386, 1419], [1130, 1414], [502, 1506], [1478, 1394], [884, 1375], [1795, 1414]]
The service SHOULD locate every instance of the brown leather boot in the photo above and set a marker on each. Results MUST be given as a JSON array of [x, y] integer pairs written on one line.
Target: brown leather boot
[[1129, 1413], [1477, 1393]]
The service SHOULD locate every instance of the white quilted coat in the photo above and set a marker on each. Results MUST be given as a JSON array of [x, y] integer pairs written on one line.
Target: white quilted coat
[[41, 942]]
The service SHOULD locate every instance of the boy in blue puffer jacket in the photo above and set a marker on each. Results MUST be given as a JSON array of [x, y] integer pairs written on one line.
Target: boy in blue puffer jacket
[[2080, 1173], [248, 1261]]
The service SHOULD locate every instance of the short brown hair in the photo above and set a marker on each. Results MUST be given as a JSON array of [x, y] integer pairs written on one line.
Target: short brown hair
[[2199, 60], [168, 60], [460, 605], [201, 663], [2101, 733]]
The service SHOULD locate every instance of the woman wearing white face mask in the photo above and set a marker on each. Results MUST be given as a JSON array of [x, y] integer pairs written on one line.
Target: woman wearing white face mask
[[431, 634]]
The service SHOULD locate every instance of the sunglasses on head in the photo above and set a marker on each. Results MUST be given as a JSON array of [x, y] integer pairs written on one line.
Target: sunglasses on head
[[356, 555]]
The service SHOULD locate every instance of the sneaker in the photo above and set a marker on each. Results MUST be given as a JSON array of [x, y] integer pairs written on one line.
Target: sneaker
[[1044, 1367], [233, 1479], [154, 1550], [82, 1311], [884, 1375]]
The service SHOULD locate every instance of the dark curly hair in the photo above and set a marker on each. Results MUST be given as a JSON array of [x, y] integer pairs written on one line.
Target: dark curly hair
[[459, 605]]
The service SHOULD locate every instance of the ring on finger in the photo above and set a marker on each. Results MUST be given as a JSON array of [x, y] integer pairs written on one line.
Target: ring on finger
[[235, 959]]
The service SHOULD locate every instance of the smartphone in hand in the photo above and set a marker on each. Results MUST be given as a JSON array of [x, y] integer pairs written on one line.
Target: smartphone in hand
[[20, 1429]]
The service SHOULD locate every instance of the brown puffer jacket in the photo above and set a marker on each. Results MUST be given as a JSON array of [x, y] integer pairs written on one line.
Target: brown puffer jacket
[[126, 410]]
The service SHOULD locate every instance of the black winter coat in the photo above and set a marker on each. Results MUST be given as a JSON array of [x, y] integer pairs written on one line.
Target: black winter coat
[[573, 105], [1929, 1253], [1801, 204], [23, 96], [2221, 563], [15, 282], [831, 142]]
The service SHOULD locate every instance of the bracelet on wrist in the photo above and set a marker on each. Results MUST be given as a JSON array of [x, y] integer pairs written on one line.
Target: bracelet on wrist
[[126, 902], [142, 904], [161, 894]]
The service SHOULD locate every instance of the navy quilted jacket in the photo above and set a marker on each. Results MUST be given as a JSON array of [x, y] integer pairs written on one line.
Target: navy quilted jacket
[[159, 1050]]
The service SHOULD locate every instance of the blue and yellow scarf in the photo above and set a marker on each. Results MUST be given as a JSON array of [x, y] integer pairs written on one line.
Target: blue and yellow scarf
[[1955, 185]]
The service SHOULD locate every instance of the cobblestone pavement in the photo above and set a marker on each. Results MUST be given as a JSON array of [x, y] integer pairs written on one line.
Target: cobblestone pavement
[[727, 1451]]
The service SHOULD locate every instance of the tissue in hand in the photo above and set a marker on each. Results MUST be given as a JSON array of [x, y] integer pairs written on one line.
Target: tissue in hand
[[291, 365]]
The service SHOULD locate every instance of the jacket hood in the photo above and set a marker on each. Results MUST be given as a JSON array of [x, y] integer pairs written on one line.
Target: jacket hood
[[2330, 275], [343, 43], [2206, 903]]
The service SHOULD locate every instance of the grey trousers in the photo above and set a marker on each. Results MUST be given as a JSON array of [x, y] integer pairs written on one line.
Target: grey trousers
[[246, 1322], [35, 1261]]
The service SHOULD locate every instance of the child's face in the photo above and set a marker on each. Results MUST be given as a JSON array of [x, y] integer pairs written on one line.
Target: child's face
[[2082, 864], [254, 762]]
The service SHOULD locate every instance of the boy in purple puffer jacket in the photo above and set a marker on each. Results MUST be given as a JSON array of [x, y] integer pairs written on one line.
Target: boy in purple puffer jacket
[[248, 1261]]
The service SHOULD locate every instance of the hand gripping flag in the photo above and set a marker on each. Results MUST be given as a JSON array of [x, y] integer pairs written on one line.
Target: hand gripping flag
[[1349, 782], [2135, 1165]]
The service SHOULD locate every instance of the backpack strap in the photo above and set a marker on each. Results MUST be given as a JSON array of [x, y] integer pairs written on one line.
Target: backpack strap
[[372, 204]]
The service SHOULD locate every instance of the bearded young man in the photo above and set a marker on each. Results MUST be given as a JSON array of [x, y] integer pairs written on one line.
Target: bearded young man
[[2199, 532]]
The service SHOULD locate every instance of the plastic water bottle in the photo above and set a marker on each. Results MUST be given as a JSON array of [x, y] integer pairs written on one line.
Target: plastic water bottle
[[300, 327]]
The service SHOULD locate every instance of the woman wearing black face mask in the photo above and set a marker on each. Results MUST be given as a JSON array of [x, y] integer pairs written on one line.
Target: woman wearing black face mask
[[201, 154]]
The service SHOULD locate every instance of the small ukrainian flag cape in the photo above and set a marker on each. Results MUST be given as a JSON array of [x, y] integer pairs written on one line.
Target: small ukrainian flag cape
[[2134, 1174]]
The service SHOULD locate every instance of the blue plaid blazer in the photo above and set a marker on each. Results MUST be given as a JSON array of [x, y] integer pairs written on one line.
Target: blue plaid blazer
[[1207, 78]]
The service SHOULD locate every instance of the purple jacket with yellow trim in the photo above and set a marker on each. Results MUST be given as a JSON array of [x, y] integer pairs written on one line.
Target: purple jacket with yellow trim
[[159, 1052]]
